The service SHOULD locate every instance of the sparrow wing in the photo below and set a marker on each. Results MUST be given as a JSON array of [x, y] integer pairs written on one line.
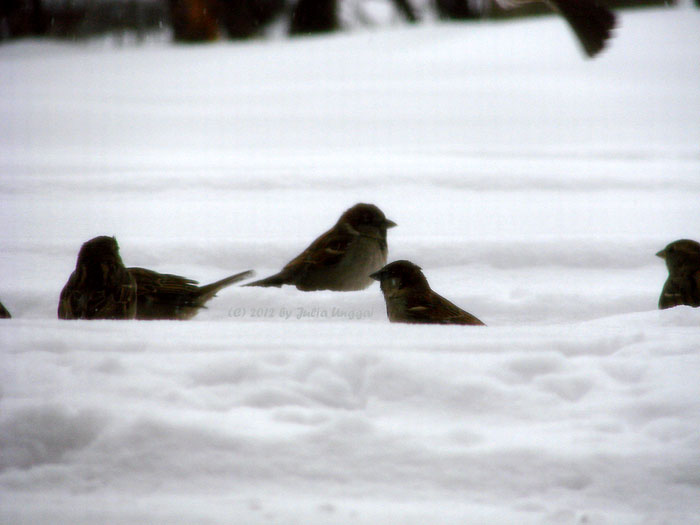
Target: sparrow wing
[[433, 308], [324, 252], [120, 303], [670, 295], [681, 291], [149, 282]]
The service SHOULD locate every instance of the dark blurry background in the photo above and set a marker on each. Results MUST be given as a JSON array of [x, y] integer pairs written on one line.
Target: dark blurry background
[[207, 20]]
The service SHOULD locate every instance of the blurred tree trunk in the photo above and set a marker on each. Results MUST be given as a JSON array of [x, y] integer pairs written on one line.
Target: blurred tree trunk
[[238, 19], [314, 16], [40, 21], [407, 10], [456, 9], [20, 18], [246, 18], [194, 20]]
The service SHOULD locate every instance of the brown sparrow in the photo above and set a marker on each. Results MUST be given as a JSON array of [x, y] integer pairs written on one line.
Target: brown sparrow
[[342, 258], [100, 287], [683, 284], [409, 298]]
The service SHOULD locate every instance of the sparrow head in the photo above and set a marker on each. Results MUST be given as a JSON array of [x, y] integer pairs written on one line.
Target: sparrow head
[[98, 257], [365, 218], [681, 256], [99, 249], [400, 275]]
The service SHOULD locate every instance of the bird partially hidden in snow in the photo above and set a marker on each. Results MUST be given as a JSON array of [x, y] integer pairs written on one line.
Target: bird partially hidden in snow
[[342, 258], [100, 287], [166, 296], [591, 22], [683, 284], [409, 298]]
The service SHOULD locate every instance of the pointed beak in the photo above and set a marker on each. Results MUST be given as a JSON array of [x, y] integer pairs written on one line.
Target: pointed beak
[[377, 276], [389, 224], [661, 254]]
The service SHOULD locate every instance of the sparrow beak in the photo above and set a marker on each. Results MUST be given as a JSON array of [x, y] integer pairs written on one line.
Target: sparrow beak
[[389, 224], [377, 276], [661, 254]]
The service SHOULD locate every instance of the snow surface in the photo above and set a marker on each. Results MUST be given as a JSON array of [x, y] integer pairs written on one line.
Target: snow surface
[[533, 187]]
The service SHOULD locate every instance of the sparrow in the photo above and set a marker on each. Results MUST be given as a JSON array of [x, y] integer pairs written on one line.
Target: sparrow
[[4, 312], [591, 22], [166, 296], [342, 258], [409, 298], [100, 287], [683, 284]]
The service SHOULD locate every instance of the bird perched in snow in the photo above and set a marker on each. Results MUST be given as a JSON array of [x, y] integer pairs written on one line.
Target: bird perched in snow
[[166, 296], [4, 312], [683, 284], [591, 22], [100, 287], [342, 258], [409, 298]]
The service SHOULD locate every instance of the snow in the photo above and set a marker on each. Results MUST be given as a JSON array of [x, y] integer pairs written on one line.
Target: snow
[[533, 187]]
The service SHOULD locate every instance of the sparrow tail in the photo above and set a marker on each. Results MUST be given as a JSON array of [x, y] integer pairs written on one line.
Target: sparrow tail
[[208, 291], [274, 280]]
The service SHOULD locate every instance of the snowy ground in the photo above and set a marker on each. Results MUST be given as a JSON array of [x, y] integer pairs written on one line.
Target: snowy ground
[[533, 187]]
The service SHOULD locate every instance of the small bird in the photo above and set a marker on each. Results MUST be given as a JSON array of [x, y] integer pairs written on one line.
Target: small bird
[[591, 22], [100, 287], [166, 296], [683, 284], [409, 298], [4, 312], [342, 258]]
